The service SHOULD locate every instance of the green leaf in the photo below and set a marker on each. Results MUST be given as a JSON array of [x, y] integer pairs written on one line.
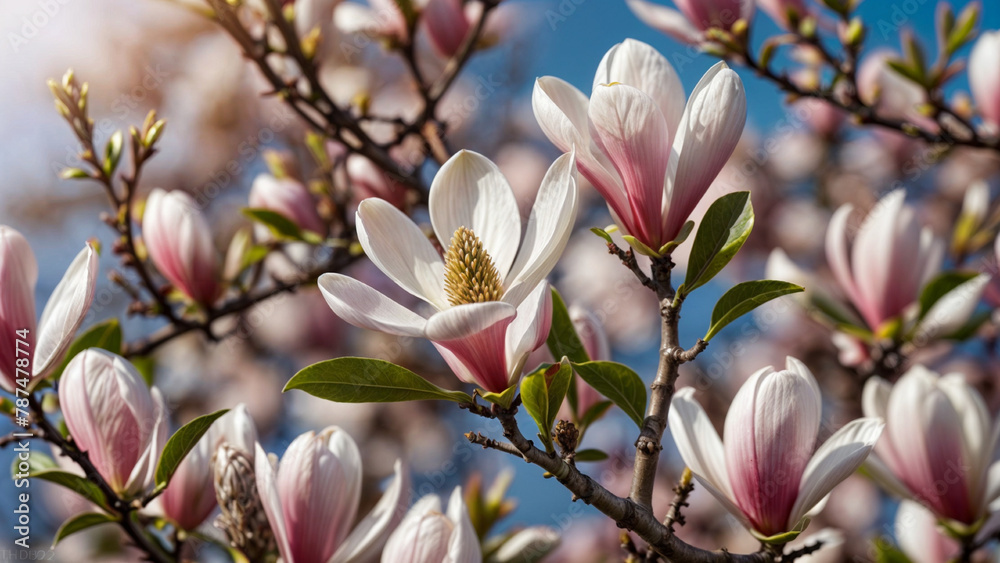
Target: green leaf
[[366, 380], [725, 228], [502, 399], [180, 444], [542, 393], [81, 522], [113, 152], [281, 226], [682, 236], [590, 455], [563, 341], [639, 246], [41, 466], [603, 234], [106, 335], [962, 32], [618, 383], [938, 287], [745, 297], [887, 553]]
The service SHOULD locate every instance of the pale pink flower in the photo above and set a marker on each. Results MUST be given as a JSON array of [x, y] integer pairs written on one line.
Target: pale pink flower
[[190, 496], [692, 18], [47, 339], [288, 197], [115, 417], [767, 473], [180, 245], [779, 10], [984, 77], [447, 25], [650, 156], [311, 499], [937, 447], [920, 537], [595, 342], [889, 92], [484, 331], [429, 534], [368, 180]]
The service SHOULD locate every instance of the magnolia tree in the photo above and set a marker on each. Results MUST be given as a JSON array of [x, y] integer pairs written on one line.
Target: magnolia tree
[[870, 386]]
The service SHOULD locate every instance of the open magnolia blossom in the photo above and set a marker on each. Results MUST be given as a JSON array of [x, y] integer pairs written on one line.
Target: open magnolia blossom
[[492, 307], [649, 155], [692, 18], [430, 535], [48, 338], [920, 537], [765, 472], [311, 499], [939, 447], [115, 417], [884, 270]]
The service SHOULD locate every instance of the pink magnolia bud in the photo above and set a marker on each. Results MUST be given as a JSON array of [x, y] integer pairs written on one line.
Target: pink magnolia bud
[[595, 342], [114, 417], [311, 499], [692, 18], [47, 340], [429, 534], [766, 472], [368, 180], [936, 448], [289, 198], [984, 77], [190, 497], [779, 10], [447, 25], [179, 241]]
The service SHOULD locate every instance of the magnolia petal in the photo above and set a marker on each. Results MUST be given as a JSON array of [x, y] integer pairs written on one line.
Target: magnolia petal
[[641, 66], [470, 191], [350, 17], [838, 257], [463, 320], [267, 489], [371, 533], [464, 545], [952, 311], [709, 130], [919, 536], [993, 486], [875, 397], [475, 335], [401, 250], [446, 25], [840, 456], [145, 469], [977, 431], [365, 307], [628, 126], [65, 310], [548, 230], [883, 476], [18, 275], [529, 329], [345, 449], [699, 444], [667, 20]]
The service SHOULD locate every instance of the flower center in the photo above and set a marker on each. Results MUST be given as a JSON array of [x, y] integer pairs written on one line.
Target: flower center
[[469, 273]]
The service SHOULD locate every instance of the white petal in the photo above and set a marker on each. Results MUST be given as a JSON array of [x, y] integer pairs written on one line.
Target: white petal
[[350, 17], [993, 486], [875, 397], [712, 125], [463, 320], [954, 309], [530, 327], [641, 66], [400, 249], [65, 310], [267, 489], [464, 545], [919, 537], [884, 477], [548, 230], [365, 307], [834, 461], [699, 445], [346, 450], [667, 20], [144, 471], [470, 191], [368, 537]]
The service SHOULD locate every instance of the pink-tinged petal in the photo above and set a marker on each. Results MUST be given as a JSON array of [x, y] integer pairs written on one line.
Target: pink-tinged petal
[[289, 198], [446, 25], [919, 536], [18, 274], [978, 441], [401, 250], [666, 20], [840, 456], [710, 128], [984, 77], [838, 257], [641, 66], [470, 191], [701, 449], [548, 230], [475, 336], [365, 307], [422, 535], [464, 544], [779, 10], [371, 533], [628, 126], [156, 424], [190, 497], [238, 430], [180, 244], [561, 112], [391, 20], [770, 433], [529, 329], [706, 14], [952, 311], [267, 489], [591, 332], [65, 310], [368, 180]]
